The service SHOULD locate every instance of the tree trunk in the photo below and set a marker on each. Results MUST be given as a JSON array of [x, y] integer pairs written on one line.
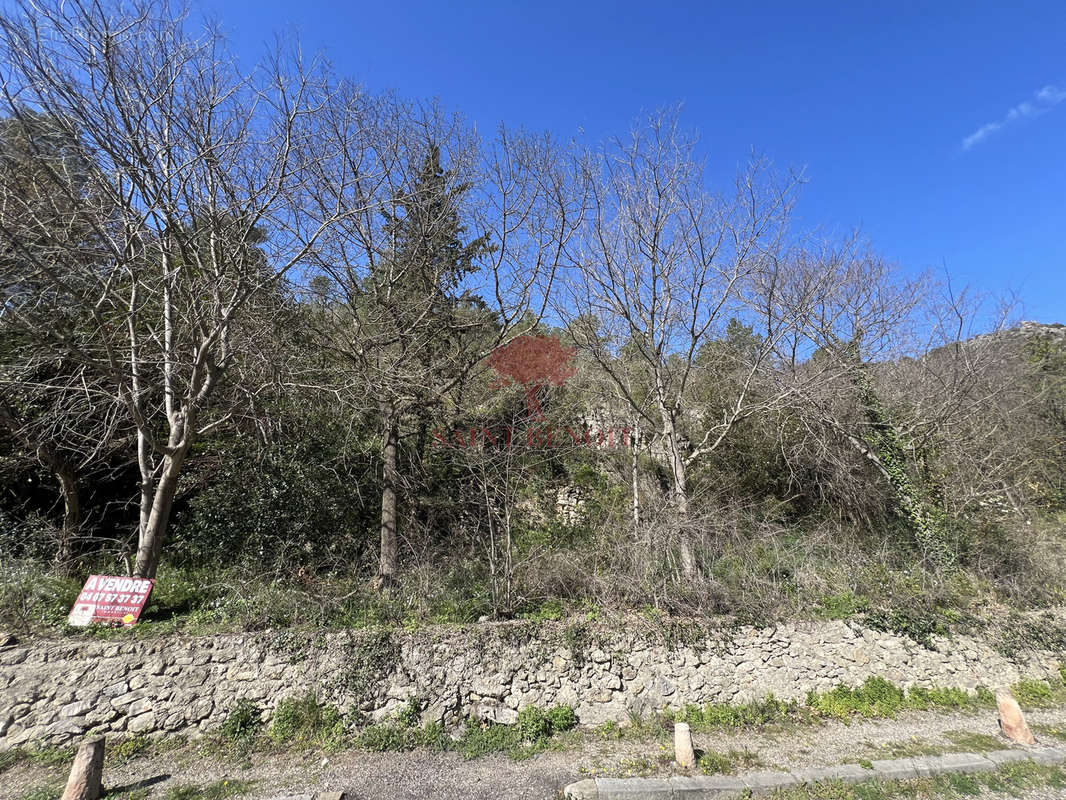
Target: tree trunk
[[680, 490], [389, 481], [634, 479], [688, 560], [68, 487], [150, 544], [68, 490]]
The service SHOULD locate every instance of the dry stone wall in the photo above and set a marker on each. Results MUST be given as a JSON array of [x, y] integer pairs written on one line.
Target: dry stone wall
[[55, 691]]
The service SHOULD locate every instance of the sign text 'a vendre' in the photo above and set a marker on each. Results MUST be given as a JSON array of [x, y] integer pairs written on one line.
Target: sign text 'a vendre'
[[111, 599]]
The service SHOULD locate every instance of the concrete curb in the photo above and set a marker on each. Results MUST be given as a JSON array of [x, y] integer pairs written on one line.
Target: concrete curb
[[723, 786]]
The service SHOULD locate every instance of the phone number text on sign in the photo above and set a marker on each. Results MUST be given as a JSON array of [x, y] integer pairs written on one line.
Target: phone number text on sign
[[110, 598]]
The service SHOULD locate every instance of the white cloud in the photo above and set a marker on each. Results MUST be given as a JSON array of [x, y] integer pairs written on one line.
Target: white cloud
[[1051, 95], [1045, 99]]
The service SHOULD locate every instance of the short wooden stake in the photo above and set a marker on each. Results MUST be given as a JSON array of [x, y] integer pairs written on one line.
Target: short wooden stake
[[86, 774]]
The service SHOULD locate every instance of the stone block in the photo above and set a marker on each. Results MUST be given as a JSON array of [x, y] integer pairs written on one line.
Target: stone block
[[714, 786], [76, 709], [142, 724], [964, 763], [1047, 755], [850, 773], [501, 715], [1000, 757], [768, 780], [582, 790], [895, 769], [633, 789]]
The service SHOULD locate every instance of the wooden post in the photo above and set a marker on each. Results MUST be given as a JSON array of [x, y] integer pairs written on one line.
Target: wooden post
[[87, 772]]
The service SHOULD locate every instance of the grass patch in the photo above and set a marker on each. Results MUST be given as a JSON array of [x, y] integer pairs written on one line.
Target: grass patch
[[129, 748], [536, 730], [711, 762], [1054, 731], [242, 722], [876, 697], [1012, 779], [724, 715], [219, 790], [971, 742], [909, 748], [1032, 693], [49, 791], [307, 722], [41, 757], [11, 758]]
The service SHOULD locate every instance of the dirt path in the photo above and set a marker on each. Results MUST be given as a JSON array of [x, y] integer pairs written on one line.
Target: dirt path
[[447, 776]]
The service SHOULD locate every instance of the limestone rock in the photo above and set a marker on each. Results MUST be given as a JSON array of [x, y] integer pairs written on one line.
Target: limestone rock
[[1011, 720], [85, 775], [501, 715], [684, 755]]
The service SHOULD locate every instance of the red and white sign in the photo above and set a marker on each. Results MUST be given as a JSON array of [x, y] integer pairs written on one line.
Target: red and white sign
[[108, 598]]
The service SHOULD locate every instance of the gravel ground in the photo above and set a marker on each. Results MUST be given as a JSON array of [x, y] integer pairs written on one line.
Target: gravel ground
[[447, 776]]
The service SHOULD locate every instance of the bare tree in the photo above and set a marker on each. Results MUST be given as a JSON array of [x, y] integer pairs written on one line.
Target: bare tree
[[449, 259], [662, 266], [197, 196]]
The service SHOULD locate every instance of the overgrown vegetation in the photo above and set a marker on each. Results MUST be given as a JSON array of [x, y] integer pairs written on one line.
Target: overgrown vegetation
[[1011, 779], [305, 721], [876, 697], [711, 762], [218, 790], [804, 435], [242, 722]]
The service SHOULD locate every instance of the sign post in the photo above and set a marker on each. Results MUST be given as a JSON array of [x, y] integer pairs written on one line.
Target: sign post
[[110, 599]]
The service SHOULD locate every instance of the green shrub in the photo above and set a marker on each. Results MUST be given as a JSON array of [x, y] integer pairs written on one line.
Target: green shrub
[[219, 790], [481, 740], [841, 606], [274, 515], [1031, 692], [303, 720], [386, 737], [724, 715], [537, 724], [129, 748], [562, 718], [410, 714], [242, 722], [534, 724], [712, 762], [919, 624]]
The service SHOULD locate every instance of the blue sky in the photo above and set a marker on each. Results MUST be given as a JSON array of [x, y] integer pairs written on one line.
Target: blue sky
[[936, 128]]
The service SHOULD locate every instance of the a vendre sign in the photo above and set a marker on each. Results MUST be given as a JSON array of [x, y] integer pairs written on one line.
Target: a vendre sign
[[110, 599]]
